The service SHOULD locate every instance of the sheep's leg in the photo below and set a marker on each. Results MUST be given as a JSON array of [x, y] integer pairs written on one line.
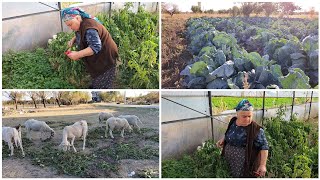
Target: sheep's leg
[[84, 142], [122, 132], [110, 132], [10, 144], [72, 140], [41, 135], [20, 144], [137, 127], [29, 134]]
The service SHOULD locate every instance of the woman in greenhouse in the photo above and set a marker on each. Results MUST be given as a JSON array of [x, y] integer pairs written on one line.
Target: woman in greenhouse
[[95, 44], [245, 146]]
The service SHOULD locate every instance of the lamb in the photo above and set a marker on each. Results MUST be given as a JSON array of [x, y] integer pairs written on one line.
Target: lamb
[[9, 134], [117, 123], [132, 120], [77, 130], [35, 125], [103, 116]]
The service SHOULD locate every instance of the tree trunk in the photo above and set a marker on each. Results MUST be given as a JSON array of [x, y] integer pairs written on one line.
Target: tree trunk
[[58, 102], [44, 103], [35, 103], [16, 103]]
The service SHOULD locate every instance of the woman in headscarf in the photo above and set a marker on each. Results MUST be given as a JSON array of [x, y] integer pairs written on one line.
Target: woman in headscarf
[[245, 146], [95, 44]]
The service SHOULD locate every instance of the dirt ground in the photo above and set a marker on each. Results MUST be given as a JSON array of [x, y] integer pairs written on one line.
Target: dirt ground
[[57, 118], [174, 54]]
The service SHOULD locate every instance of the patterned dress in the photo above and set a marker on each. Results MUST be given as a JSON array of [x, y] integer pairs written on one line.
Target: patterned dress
[[236, 139]]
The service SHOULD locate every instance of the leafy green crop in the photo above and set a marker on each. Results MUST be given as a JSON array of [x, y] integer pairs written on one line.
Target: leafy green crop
[[293, 152], [136, 35], [30, 70], [206, 162]]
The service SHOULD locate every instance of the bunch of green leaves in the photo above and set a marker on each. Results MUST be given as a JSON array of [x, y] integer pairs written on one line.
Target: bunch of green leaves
[[137, 37], [293, 148], [30, 70], [69, 70], [206, 162]]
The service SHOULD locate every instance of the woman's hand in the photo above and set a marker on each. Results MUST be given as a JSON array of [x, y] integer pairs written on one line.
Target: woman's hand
[[220, 143], [261, 171], [71, 42], [74, 55]]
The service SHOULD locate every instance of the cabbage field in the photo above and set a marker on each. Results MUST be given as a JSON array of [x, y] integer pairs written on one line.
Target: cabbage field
[[255, 53]]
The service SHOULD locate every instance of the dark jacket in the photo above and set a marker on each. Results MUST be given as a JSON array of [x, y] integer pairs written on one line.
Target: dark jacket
[[252, 159], [98, 64]]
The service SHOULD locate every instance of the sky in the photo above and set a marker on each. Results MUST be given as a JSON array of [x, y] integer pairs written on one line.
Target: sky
[[185, 5]]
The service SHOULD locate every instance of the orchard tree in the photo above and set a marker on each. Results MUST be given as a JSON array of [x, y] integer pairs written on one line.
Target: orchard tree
[[247, 8], [43, 95], [34, 97], [288, 7], [234, 11], [269, 8], [15, 96], [57, 95]]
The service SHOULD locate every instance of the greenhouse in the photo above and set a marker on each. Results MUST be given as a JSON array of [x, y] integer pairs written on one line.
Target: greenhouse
[[193, 122], [35, 57]]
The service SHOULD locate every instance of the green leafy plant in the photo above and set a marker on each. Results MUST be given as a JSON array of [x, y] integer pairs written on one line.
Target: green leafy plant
[[137, 37]]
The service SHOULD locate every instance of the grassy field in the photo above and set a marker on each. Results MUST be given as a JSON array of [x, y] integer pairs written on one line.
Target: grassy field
[[220, 104]]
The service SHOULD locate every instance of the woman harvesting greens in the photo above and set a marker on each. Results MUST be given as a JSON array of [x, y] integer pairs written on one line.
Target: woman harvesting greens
[[95, 44]]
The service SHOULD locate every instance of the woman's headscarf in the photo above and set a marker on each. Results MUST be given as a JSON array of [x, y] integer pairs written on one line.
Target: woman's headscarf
[[244, 105], [69, 13]]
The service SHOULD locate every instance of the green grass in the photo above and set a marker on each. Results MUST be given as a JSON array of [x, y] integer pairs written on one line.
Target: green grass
[[227, 103]]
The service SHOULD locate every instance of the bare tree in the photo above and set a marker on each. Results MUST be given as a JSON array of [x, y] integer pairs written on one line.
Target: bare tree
[[57, 95], [34, 97], [15, 96], [43, 95]]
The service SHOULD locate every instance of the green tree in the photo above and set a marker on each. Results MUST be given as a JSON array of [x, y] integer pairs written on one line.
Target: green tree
[[196, 9], [234, 11]]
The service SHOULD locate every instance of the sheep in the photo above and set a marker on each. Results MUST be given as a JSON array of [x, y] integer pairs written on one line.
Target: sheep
[[9, 134], [35, 125], [103, 116], [77, 130], [117, 123], [132, 120]]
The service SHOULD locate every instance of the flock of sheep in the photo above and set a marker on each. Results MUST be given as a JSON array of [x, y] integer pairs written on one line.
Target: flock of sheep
[[77, 130]]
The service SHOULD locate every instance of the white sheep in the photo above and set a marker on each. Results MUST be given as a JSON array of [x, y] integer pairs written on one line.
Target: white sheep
[[104, 116], [35, 125], [132, 120], [9, 134], [77, 130], [117, 123]]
